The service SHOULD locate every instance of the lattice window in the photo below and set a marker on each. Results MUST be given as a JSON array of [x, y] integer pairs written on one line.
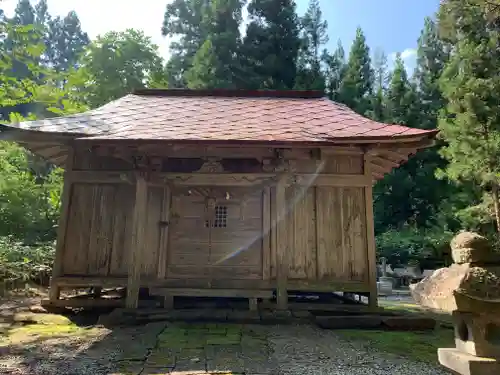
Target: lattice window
[[220, 218]]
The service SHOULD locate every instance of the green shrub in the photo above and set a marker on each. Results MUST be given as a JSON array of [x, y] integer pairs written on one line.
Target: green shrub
[[408, 245], [20, 262]]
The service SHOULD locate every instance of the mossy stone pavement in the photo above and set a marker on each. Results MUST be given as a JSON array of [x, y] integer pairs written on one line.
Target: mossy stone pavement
[[189, 348]]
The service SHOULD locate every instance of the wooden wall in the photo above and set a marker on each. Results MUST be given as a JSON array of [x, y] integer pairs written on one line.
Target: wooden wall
[[99, 229], [326, 234], [325, 229]]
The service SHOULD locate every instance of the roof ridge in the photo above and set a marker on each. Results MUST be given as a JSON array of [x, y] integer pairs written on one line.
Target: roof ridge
[[241, 93]]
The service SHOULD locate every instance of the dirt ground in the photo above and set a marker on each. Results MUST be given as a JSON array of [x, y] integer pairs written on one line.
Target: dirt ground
[[37, 343]]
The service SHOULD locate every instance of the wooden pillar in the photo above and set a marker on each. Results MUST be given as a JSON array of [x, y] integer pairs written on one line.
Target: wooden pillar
[[281, 245], [138, 242], [57, 268], [168, 300], [164, 232], [370, 234]]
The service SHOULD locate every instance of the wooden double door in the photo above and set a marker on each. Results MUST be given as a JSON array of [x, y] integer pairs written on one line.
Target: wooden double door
[[215, 238]]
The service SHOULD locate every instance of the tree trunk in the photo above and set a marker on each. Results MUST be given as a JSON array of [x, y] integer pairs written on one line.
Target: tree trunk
[[496, 205]]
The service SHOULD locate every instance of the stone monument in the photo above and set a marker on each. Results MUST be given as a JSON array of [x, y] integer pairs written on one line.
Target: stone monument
[[385, 283], [470, 290]]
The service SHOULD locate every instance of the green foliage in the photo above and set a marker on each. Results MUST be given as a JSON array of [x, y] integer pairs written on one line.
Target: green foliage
[[118, 63], [314, 35], [21, 262], [334, 72], [357, 83], [271, 45], [470, 122], [407, 244], [216, 63], [184, 23], [29, 189], [29, 209]]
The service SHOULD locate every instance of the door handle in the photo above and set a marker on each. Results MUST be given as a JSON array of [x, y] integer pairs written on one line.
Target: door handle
[[163, 223]]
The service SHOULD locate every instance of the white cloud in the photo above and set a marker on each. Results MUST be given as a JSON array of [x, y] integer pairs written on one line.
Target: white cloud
[[408, 53], [409, 56]]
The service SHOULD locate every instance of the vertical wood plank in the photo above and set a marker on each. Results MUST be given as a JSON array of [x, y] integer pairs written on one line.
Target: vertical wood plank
[[359, 257], [266, 234], [54, 291], [370, 234], [149, 258], [122, 229], [137, 242], [164, 233], [318, 222], [281, 245], [301, 233], [274, 223]]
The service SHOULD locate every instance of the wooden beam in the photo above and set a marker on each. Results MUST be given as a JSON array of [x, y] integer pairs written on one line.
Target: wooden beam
[[199, 151], [386, 163], [379, 170], [102, 177], [194, 292], [415, 144], [395, 156], [57, 268], [370, 236], [84, 303], [212, 179], [281, 245], [266, 233], [332, 180], [35, 137], [304, 285], [138, 241], [217, 179]]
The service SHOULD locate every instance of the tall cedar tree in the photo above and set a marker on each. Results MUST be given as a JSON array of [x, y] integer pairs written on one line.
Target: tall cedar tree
[[37, 20], [184, 22], [335, 67], [65, 42], [63, 38], [357, 85], [411, 194], [441, 196], [215, 64], [271, 44], [379, 85], [471, 85], [394, 204], [314, 35]]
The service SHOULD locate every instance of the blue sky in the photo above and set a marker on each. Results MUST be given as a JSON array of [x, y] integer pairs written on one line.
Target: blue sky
[[392, 25]]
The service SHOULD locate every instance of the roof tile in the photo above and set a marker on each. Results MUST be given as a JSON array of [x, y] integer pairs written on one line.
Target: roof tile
[[187, 115]]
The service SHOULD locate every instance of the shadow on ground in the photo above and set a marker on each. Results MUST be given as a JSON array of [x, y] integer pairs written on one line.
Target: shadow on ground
[[33, 343]]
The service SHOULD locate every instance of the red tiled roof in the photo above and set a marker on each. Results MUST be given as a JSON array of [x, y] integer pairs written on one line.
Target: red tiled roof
[[225, 115]]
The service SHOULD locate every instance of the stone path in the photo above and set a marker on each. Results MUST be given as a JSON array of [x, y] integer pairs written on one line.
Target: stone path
[[187, 348]]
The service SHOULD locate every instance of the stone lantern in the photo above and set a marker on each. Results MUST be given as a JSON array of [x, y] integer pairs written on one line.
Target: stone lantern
[[470, 290]]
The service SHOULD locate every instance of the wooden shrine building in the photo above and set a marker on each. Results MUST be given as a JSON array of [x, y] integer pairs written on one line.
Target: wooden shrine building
[[218, 193]]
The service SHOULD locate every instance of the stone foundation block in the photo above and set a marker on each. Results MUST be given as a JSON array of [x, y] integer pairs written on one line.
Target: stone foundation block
[[466, 364], [477, 334]]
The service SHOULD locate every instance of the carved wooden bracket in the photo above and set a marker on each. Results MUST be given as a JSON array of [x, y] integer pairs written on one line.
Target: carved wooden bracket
[[278, 165], [211, 165]]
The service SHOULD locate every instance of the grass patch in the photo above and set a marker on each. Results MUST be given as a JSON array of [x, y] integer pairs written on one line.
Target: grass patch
[[442, 317], [417, 346]]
